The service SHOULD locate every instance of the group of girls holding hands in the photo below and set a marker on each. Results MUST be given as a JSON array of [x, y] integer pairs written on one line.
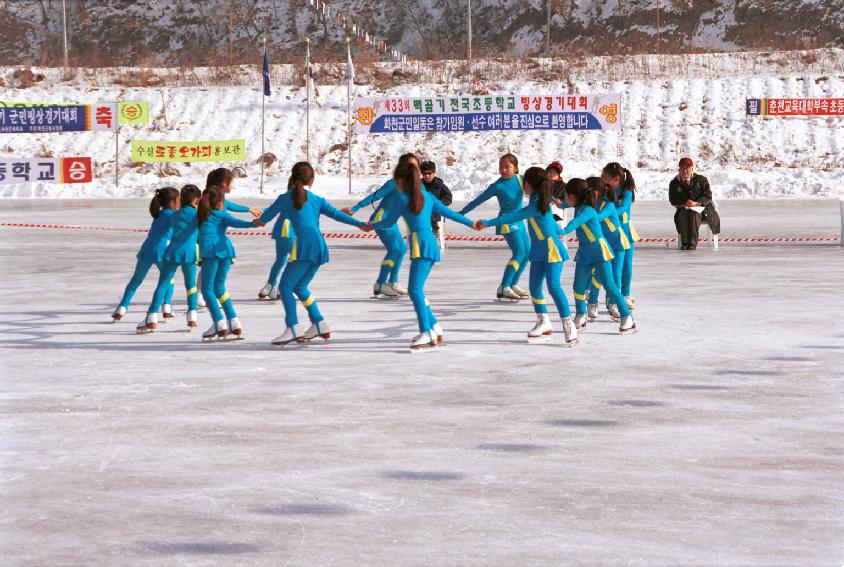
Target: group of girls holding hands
[[189, 229]]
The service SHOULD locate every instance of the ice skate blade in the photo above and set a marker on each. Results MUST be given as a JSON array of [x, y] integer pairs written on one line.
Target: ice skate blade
[[546, 338], [296, 341], [424, 348], [143, 330], [631, 331], [385, 297], [571, 344], [324, 336], [507, 300]]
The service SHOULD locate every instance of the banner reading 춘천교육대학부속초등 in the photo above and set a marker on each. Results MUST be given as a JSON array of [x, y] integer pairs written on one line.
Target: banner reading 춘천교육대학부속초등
[[487, 112]]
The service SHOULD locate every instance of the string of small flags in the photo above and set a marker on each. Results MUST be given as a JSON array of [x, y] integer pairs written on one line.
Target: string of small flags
[[355, 30]]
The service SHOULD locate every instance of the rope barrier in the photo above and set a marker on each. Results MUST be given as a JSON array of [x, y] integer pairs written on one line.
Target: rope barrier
[[449, 237]]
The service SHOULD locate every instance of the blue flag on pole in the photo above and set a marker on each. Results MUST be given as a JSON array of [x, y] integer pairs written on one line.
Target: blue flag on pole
[[266, 73]]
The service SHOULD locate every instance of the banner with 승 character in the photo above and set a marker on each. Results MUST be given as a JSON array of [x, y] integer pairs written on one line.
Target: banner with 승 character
[[491, 112], [46, 170], [216, 150], [59, 118]]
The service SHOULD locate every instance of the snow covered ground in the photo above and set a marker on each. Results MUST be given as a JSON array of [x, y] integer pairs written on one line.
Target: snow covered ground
[[713, 436], [663, 118]]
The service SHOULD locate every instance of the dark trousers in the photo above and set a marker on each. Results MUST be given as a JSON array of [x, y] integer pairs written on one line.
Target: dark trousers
[[687, 222]]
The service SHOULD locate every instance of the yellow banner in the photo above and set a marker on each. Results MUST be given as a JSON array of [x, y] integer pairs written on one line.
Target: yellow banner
[[128, 113], [216, 150]]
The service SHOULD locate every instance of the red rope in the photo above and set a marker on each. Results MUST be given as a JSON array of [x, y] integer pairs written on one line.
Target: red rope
[[449, 237]]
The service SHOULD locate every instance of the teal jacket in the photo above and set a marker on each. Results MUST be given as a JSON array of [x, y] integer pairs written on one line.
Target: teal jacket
[[624, 205], [213, 242], [152, 250], [611, 226], [545, 242], [423, 244], [183, 242], [592, 246], [510, 199], [378, 195], [309, 244]]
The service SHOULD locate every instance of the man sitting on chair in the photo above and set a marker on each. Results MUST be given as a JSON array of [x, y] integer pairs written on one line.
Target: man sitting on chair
[[437, 188], [691, 196]]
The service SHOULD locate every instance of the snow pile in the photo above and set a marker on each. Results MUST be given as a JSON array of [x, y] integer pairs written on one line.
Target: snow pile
[[663, 119]]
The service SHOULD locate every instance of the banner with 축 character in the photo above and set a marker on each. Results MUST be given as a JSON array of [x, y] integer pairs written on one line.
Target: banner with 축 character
[[46, 170], [490, 112], [58, 118]]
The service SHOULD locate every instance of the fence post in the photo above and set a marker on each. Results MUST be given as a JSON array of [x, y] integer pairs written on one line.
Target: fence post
[[841, 206]]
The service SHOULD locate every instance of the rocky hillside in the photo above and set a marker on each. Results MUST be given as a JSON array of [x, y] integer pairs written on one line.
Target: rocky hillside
[[211, 32]]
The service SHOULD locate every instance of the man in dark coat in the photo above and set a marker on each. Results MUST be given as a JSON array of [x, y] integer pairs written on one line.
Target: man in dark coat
[[686, 190], [436, 187]]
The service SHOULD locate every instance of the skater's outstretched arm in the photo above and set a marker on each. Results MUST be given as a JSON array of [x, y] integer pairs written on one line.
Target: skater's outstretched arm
[[326, 209], [514, 217], [394, 205], [234, 222], [608, 209], [488, 194], [376, 195], [449, 214], [277, 208], [586, 214]]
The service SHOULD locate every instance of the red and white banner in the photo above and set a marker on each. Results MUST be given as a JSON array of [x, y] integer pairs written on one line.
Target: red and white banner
[[46, 170], [795, 106]]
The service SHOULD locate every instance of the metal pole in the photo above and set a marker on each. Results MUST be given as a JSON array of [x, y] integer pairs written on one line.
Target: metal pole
[[657, 27], [263, 105], [308, 95], [116, 152], [469, 23], [349, 115], [548, 32], [841, 240], [64, 26]]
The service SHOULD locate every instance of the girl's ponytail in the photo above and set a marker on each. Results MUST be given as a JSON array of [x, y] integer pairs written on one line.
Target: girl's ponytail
[[614, 169], [628, 184], [188, 194], [300, 176], [407, 176], [537, 179], [583, 195], [163, 199], [211, 200], [155, 205]]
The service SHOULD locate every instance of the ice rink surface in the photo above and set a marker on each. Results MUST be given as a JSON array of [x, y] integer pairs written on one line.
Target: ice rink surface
[[713, 436]]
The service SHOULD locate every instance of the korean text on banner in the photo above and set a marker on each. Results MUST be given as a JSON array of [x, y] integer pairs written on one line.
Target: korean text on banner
[[127, 112], [492, 112], [215, 151], [46, 170], [72, 118]]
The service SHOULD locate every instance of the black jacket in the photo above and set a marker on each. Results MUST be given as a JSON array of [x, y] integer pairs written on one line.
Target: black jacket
[[697, 190], [441, 192]]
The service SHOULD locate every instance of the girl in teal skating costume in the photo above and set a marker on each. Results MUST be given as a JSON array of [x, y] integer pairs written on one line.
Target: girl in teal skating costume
[[180, 253], [390, 236], [593, 255], [623, 191], [508, 191], [163, 204], [303, 209], [617, 239], [416, 205], [547, 254], [218, 255]]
